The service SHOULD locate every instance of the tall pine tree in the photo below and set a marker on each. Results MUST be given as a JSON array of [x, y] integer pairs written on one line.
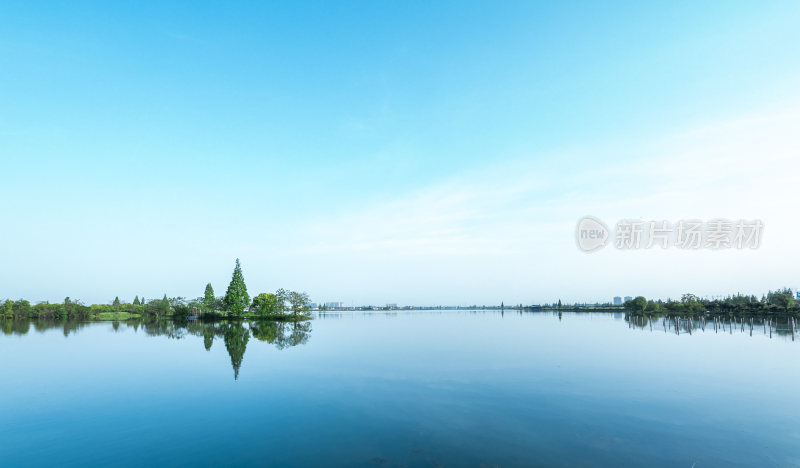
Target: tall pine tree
[[136, 300], [236, 298], [208, 299]]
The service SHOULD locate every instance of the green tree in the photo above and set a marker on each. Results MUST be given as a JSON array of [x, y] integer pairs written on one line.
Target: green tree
[[236, 297], [637, 305], [136, 300], [559, 303], [22, 308], [265, 304], [209, 301], [281, 296], [7, 308], [691, 303], [158, 306], [299, 302], [782, 298], [116, 302]]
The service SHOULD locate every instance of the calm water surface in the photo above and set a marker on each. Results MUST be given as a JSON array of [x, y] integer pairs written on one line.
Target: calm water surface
[[451, 388]]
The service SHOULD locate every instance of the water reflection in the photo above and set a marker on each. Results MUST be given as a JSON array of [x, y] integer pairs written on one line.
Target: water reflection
[[236, 337], [785, 327], [281, 334], [16, 326], [234, 334]]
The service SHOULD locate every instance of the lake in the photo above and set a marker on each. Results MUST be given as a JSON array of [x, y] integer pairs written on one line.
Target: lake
[[383, 389]]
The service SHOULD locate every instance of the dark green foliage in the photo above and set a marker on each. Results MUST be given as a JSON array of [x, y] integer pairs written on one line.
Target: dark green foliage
[[158, 306], [782, 298], [236, 298], [780, 301], [181, 310], [136, 300], [636, 305], [266, 330], [236, 338], [209, 301], [298, 335], [116, 302], [235, 334], [208, 338], [180, 307], [7, 326], [299, 302], [47, 310], [265, 304], [692, 304], [22, 308], [281, 296], [655, 307], [75, 309], [281, 334], [7, 308]]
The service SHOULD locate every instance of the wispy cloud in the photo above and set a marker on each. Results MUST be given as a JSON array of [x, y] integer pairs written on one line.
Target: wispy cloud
[[523, 213], [723, 169]]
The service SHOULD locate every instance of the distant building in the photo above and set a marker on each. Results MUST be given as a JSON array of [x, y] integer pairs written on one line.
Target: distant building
[[334, 305], [628, 298], [617, 300], [391, 306]]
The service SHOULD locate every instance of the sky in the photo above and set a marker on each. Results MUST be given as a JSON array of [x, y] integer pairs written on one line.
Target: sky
[[393, 152]]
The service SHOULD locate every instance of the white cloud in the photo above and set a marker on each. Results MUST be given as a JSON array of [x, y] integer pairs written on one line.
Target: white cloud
[[512, 225]]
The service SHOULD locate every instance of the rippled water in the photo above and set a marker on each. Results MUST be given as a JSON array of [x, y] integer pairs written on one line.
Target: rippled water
[[450, 388]]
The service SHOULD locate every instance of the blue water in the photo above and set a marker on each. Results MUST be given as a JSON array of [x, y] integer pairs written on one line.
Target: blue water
[[450, 388]]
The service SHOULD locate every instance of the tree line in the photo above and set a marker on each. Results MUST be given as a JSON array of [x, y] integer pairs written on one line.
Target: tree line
[[778, 302], [280, 305]]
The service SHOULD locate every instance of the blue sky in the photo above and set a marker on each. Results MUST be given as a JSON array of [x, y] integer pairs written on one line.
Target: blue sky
[[388, 151]]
